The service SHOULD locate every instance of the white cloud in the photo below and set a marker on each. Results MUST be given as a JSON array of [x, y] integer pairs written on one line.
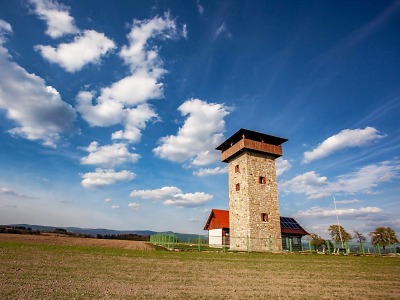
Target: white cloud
[[158, 194], [37, 109], [326, 212], [197, 138], [108, 200], [362, 181], [86, 48], [348, 201], [189, 199], [104, 113], [282, 165], [5, 27], [215, 171], [171, 195], [109, 155], [125, 101], [134, 205], [57, 17], [115, 206], [104, 177], [345, 139], [135, 120]]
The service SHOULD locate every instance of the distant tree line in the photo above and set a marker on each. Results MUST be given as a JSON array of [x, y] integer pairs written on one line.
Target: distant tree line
[[382, 236], [130, 237], [28, 230], [17, 230]]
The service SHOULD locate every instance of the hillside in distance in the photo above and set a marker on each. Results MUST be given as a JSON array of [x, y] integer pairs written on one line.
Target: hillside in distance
[[102, 231]]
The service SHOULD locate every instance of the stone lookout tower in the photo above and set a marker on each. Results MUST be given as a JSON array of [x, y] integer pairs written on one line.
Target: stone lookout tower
[[253, 193]]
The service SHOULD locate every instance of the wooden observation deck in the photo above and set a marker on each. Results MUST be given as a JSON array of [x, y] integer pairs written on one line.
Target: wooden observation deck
[[247, 140]]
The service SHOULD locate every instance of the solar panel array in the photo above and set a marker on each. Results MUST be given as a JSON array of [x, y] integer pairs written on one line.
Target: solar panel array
[[289, 223]]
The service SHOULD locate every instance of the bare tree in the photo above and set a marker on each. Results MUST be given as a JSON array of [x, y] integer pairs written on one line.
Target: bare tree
[[359, 237]]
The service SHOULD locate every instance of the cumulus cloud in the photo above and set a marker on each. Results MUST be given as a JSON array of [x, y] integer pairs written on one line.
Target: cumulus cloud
[[125, 101], [282, 165], [109, 156], [104, 177], [115, 206], [197, 138], [36, 108], [189, 199], [171, 195], [345, 139], [135, 120], [86, 48], [134, 205], [326, 212], [56, 16], [362, 181], [207, 172], [157, 194]]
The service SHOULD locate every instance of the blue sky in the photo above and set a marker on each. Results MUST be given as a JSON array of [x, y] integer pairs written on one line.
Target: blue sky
[[110, 111]]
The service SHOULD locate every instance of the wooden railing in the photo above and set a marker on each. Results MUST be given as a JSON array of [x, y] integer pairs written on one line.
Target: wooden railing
[[251, 145]]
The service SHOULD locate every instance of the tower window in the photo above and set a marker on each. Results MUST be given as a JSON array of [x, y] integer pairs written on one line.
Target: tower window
[[237, 170], [261, 180], [237, 186], [264, 217]]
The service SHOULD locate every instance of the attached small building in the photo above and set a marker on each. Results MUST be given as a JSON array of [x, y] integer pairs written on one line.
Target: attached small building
[[218, 231], [218, 228]]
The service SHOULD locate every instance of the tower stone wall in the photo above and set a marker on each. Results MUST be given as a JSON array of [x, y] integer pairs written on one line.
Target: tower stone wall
[[253, 203], [254, 219]]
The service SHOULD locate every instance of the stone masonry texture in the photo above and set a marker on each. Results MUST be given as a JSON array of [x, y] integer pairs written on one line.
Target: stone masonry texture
[[251, 199]]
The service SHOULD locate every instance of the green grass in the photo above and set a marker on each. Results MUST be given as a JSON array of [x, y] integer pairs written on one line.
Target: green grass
[[40, 271]]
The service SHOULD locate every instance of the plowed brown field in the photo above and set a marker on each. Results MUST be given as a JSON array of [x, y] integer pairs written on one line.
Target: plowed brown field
[[56, 267], [54, 239]]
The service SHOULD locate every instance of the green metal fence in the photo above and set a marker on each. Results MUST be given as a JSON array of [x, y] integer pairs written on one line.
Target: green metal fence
[[173, 241]]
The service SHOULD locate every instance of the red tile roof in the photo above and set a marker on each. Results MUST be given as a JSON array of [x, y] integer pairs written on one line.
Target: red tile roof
[[218, 219]]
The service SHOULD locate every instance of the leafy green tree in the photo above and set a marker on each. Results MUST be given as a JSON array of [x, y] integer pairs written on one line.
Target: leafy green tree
[[316, 240], [359, 237], [383, 236], [339, 234]]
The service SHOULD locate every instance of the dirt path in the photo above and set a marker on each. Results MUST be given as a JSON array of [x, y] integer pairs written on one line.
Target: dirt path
[[53, 239]]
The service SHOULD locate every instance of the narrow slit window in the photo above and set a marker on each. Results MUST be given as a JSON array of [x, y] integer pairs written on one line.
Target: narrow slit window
[[237, 186], [264, 217], [262, 180], [237, 170]]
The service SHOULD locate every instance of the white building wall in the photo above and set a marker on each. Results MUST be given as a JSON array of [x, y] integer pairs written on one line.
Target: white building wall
[[215, 238]]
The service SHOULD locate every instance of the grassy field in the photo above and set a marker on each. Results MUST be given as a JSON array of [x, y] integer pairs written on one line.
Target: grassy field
[[62, 270]]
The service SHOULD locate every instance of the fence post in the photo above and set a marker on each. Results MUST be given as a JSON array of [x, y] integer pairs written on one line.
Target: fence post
[[379, 250], [309, 245], [290, 246], [362, 248], [224, 243], [328, 245], [199, 242], [347, 247]]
